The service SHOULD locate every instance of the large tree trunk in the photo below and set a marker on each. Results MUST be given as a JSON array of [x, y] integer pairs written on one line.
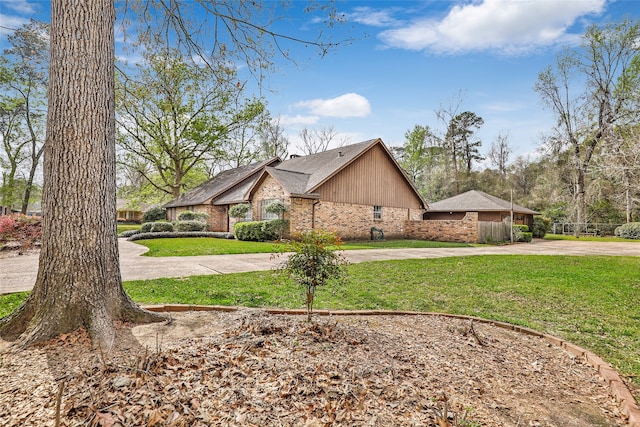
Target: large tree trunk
[[78, 283], [581, 204], [36, 154], [627, 195]]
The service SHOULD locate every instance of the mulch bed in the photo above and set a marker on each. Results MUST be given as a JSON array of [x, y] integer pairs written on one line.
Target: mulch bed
[[251, 368]]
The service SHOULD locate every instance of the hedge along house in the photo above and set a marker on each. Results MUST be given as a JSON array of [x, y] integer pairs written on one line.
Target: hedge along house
[[349, 190], [470, 217], [215, 196]]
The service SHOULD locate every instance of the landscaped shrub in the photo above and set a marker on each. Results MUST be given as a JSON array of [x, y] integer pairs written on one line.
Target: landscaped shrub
[[629, 230], [154, 214], [146, 227], [161, 226], [239, 211], [526, 237], [193, 216], [25, 230], [541, 226], [249, 230], [276, 207], [202, 217], [129, 233], [518, 232], [314, 262], [260, 231], [191, 225], [274, 229], [187, 216]]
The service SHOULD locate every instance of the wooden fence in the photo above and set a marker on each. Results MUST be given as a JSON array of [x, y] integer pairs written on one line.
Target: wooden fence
[[493, 232], [593, 229]]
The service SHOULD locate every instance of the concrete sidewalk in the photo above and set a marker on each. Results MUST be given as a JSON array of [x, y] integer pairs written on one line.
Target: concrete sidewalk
[[19, 273]]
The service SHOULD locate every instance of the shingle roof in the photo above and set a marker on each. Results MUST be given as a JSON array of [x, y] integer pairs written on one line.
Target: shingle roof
[[217, 185], [299, 176], [295, 183], [321, 166], [476, 201]]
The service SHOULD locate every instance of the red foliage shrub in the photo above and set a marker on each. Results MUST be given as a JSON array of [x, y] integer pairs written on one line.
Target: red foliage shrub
[[26, 230]]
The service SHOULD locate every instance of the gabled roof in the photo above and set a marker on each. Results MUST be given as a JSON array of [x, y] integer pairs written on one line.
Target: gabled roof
[[296, 183], [220, 184], [302, 176], [476, 201], [322, 166], [299, 176]]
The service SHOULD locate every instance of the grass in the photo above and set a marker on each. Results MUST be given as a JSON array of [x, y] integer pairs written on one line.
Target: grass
[[589, 300], [186, 246], [209, 246], [587, 238], [127, 227]]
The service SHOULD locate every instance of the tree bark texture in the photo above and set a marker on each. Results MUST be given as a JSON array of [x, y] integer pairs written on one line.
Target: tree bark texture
[[79, 282]]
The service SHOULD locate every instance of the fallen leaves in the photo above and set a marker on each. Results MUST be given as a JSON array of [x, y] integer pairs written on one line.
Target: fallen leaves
[[254, 369]]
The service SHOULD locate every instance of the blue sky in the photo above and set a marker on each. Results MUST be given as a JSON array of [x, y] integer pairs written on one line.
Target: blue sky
[[416, 57]]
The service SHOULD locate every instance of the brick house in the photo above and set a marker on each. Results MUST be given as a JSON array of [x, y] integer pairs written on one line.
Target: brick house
[[215, 196], [348, 190], [468, 217]]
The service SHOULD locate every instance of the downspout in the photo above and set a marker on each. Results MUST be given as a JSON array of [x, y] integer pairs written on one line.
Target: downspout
[[313, 214]]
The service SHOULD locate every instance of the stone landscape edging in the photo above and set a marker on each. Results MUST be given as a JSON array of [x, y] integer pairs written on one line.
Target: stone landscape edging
[[628, 405]]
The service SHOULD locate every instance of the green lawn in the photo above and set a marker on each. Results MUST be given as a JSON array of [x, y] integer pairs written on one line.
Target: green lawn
[[127, 227], [210, 246], [589, 300], [588, 238]]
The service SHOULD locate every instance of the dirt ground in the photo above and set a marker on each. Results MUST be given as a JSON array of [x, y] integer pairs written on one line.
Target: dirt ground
[[250, 368]]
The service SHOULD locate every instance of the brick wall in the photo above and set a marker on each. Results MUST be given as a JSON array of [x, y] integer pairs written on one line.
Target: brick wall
[[217, 215], [300, 214], [354, 222], [350, 221], [464, 230], [268, 190], [218, 219]]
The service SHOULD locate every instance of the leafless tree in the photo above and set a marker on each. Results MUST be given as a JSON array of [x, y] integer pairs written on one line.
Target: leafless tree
[[319, 140], [500, 152]]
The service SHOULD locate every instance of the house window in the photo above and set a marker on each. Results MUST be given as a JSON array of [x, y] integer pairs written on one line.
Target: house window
[[268, 215], [377, 212]]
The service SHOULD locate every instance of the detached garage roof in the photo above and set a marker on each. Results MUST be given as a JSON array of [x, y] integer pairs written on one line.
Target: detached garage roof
[[476, 201]]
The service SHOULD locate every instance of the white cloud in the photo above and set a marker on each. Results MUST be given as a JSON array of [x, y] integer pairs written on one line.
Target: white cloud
[[368, 16], [19, 6], [10, 23], [508, 26], [298, 120], [347, 105]]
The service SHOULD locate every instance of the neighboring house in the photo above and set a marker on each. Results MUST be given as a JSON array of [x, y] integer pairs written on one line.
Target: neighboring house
[[488, 207], [127, 213], [349, 190], [472, 217]]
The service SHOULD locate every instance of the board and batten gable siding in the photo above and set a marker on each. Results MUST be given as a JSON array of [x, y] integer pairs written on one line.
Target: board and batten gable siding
[[372, 179]]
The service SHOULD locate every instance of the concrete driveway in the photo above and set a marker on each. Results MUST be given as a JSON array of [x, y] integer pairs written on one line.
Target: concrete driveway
[[18, 273]]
